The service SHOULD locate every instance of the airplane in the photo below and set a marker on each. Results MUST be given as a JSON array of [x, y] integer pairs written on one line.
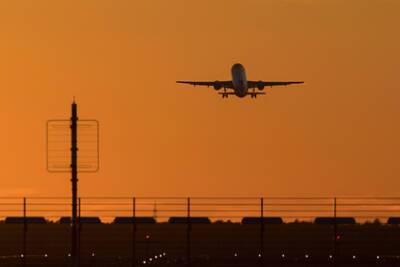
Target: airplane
[[239, 84]]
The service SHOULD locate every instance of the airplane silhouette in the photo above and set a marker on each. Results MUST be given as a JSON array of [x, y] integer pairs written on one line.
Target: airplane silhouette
[[239, 84]]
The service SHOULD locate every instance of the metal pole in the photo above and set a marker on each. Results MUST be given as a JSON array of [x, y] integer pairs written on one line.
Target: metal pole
[[134, 232], [188, 245], [24, 235], [147, 246], [74, 181], [262, 232], [80, 226], [335, 235]]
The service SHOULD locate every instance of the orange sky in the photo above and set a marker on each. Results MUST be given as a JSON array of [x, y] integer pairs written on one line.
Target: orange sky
[[338, 135]]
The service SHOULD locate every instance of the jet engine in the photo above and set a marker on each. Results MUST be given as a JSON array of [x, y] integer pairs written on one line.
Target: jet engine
[[260, 85], [217, 85]]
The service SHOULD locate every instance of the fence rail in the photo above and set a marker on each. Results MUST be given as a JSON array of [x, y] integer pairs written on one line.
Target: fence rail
[[217, 208], [188, 243]]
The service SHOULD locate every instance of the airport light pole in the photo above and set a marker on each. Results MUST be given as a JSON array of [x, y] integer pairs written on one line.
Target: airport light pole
[[74, 182], [62, 156]]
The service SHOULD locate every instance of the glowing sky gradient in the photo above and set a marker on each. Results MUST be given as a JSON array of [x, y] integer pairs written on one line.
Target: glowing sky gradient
[[337, 135]]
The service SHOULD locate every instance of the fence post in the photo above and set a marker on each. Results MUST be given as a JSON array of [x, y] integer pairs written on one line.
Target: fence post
[[134, 232], [25, 230], [261, 231], [188, 229], [78, 250], [335, 235]]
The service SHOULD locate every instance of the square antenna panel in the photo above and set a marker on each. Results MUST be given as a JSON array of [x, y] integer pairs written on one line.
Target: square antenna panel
[[59, 145]]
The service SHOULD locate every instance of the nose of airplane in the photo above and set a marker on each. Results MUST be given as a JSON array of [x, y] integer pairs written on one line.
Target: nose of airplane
[[237, 66]]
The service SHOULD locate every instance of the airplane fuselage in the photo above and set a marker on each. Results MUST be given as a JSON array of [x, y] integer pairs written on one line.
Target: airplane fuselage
[[239, 84], [239, 80]]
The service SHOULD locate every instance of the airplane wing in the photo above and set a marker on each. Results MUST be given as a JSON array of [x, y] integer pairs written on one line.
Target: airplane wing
[[216, 84], [253, 94], [254, 84]]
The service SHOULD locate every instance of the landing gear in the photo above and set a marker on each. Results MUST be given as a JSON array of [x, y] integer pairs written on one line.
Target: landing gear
[[254, 94], [224, 94]]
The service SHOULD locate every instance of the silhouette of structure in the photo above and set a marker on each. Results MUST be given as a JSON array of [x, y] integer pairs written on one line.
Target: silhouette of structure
[[213, 232], [74, 181], [55, 130]]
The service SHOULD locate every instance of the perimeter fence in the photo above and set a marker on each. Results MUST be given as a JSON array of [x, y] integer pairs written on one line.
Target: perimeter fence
[[216, 208], [130, 231]]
